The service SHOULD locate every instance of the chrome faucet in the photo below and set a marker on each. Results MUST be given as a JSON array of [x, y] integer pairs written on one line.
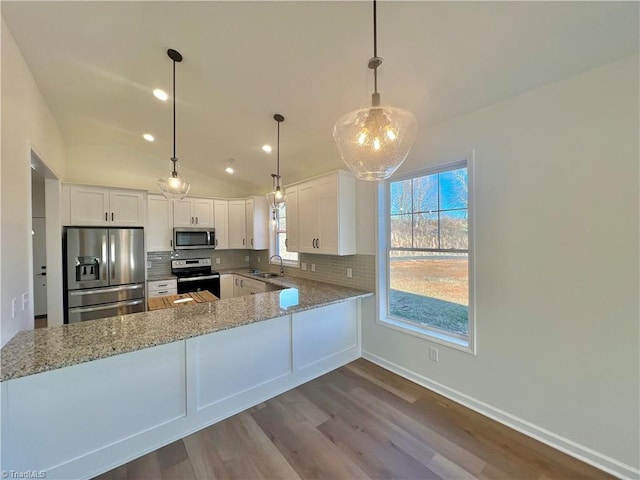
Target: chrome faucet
[[281, 267]]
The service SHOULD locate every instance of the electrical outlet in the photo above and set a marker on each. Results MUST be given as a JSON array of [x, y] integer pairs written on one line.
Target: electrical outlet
[[349, 272], [303, 265], [217, 260], [148, 264], [258, 259], [246, 259], [313, 267], [433, 354], [25, 300], [14, 307]]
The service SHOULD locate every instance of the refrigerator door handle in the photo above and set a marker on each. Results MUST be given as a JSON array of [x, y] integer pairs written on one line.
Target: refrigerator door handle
[[109, 306], [80, 293], [112, 257], [105, 258]]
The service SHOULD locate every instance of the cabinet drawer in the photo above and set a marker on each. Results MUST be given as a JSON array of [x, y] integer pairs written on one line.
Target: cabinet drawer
[[162, 293], [161, 286]]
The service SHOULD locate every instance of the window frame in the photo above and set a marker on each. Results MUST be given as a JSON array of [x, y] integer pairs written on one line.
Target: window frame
[[274, 250], [466, 344]]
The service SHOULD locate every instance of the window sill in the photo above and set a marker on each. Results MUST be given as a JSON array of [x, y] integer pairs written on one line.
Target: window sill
[[430, 335]]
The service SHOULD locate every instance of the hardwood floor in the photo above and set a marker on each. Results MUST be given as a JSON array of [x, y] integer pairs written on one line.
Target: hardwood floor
[[359, 421], [40, 321]]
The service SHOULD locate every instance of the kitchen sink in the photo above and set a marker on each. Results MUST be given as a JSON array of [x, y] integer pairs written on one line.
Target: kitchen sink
[[265, 275]]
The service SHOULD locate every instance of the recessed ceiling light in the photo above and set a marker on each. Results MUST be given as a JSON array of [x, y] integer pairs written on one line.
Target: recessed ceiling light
[[160, 95], [148, 137], [229, 168], [266, 148]]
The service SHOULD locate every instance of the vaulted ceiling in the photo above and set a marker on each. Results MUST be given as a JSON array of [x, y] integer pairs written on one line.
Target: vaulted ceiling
[[96, 64]]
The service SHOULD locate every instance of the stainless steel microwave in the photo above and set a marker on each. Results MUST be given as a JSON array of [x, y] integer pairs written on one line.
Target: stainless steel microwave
[[194, 238]]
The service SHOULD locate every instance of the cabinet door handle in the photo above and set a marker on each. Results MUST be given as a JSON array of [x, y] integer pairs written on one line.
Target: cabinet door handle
[[112, 216], [252, 242], [243, 241], [171, 243], [164, 291], [236, 282], [286, 243], [196, 220], [191, 220], [242, 283], [106, 216], [317, 243], [216, 242]]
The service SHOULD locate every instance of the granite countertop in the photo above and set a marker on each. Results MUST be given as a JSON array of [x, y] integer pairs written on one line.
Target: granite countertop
[[41, 350], [165, 276]]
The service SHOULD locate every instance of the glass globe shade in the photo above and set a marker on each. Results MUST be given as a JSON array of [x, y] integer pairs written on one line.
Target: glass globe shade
[[373, 142], [173, 186]]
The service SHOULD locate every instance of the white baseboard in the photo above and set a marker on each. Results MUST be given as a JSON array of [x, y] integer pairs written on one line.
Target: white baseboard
[[585, 454]]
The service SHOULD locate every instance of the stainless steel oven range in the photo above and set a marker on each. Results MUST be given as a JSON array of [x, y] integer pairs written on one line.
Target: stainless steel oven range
[[195, 274]]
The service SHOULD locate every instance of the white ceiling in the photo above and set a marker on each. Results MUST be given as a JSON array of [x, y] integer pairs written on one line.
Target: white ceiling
[[97, 62]]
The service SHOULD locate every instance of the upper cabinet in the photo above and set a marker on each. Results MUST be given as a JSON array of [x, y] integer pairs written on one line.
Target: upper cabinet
[[292, 218], [221, 216], [98, 206], [237, 224], [326, 215], [256, 217], [193, 212], [159, 228]]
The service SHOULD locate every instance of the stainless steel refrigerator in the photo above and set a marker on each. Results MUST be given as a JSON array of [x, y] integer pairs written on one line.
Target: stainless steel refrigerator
[[104, 272]]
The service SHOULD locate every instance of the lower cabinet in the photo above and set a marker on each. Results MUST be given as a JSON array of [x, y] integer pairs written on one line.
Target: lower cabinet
[[160, 288], [82, 420], [226, 285]]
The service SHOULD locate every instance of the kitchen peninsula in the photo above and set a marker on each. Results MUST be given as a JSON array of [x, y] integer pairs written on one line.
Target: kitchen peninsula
[[79, 399]]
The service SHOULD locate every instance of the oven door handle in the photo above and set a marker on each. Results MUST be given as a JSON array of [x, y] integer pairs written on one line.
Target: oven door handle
[[195, 279]]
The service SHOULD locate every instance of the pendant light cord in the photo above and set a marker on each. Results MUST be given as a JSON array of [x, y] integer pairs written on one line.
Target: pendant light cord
[[375, 47], [278, 157], [174, 115]]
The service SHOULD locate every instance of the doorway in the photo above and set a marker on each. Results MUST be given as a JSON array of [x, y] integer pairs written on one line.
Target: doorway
[[39, 248], [46, 262]]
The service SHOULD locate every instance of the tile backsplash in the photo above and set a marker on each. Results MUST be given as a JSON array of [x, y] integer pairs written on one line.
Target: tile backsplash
[[328, 268], [159, 263]]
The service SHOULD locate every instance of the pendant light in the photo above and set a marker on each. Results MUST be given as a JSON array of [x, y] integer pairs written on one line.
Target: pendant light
[[174, 187], [373, 142], [277, 197]]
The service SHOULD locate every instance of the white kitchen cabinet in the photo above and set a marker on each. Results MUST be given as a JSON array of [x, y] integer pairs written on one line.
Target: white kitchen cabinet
[[101, 206], [238, 286], [221, 217], [160, 288], [326, 215], [257, 219], [193, 212], [159, 228], [226, 285], [237, 224], [292, 217]]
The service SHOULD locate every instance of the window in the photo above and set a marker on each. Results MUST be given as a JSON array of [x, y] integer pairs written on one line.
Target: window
[[280, 244], [428, 250]]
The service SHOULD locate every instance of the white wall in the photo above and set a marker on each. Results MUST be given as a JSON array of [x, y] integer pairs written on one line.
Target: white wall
[[117, 165], [26, 123], [557, 255]]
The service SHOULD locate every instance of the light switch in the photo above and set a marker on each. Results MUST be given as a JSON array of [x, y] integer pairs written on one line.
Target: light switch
[[349, 272], [313, 267]]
